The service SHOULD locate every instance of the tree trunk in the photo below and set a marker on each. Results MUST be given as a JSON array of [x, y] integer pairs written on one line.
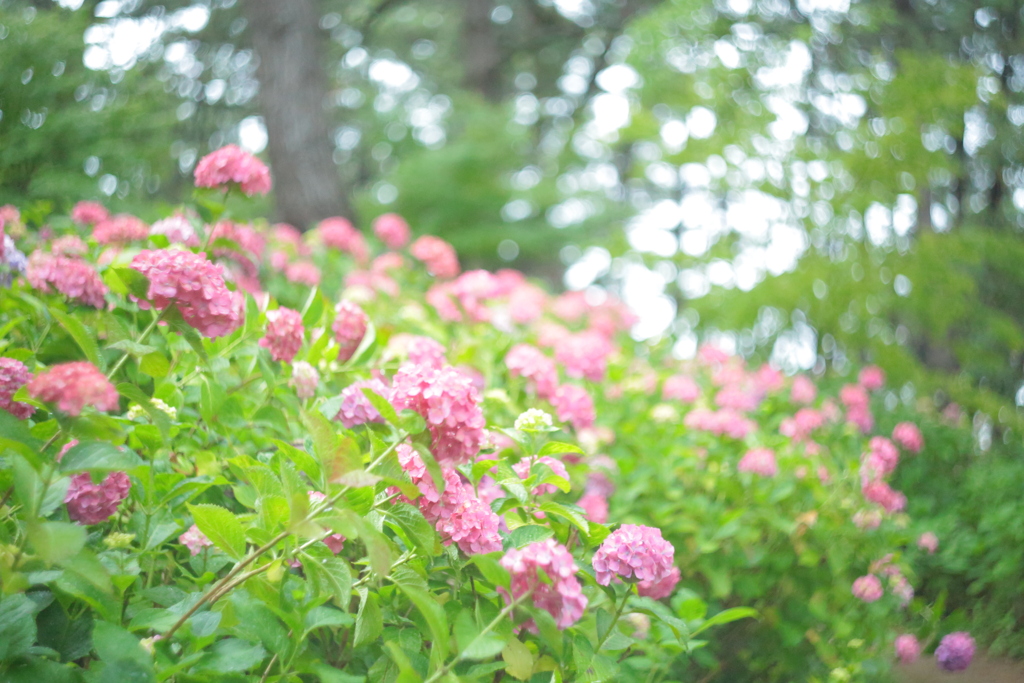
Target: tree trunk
[[293, 88], [482, 56]]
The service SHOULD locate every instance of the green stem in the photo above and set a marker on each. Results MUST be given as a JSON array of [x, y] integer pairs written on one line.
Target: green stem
[[615, 620]]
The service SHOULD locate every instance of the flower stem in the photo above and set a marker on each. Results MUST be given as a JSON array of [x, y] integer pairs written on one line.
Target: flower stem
[[615, 620]]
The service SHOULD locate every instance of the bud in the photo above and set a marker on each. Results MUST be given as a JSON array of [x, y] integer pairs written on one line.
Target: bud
[[535, 420], [118, 540]]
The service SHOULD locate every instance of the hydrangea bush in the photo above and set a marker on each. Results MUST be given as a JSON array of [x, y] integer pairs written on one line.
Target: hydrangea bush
[[240, 452]]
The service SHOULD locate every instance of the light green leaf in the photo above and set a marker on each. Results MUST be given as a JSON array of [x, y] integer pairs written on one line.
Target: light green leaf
[[369, 622], [556, 447], [518, 660], [222, 527], [56, 541], [727, 616], [432, 613], [99, 456], [85, 339]]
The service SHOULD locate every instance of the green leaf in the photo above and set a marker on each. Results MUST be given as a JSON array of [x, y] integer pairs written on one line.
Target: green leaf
[[556, 447], [474, 643], [222, 527], [369, 622], [99, 456], [17, 627], [573, 514], [56, 541], [132, 348], [134, 282], [329, 576], [113, 643], [320, 617], [509, 480], [232, 655], [338, 455], [518, 660], [14, 433], [415, 526], [383, 406], [85, 339], [727, 616], [155, 365], [432, 613], [492, 570], [523, 536]]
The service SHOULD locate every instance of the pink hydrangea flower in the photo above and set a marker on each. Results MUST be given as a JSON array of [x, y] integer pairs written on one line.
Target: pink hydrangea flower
[[72, 386], [759, 461], [69, 245], [867, 588], [929, 542], [177, 229], [574, 405], [634, 552], [908, 436], [356, 408], [854, 396], [878, 491], [803, 390], [560, 594], [303, 273], [660, 589], [522, 468], [738, 397], [437, 255], [120, 229], [195, 286], [90, 503], [867, 519], [230, 164], [473, 526], [87, 213], [872, 378], [13, 375], [902, 589], [529, 362], [195, 540], [680, 388], [284, 334], [881, 460], [768, 379], [709, 354], [955, 651], [595, 506], [339, 233], [305, 379], [72, 277], [802, 425], [448, 401], [436, 507], [417, 349], [392, 230], [349, 327], [584, 355], [908, 649], [861, 418], [526, 303], [721, 422]]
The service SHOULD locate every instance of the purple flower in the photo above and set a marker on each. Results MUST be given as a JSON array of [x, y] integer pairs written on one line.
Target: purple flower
[[356, 408], [955, 652], [90, 503]]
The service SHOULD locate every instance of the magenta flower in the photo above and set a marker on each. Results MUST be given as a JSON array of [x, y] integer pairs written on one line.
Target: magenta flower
[[955, 652], [882, 458], [634, 552], [878, 491], [13, 375], [349, 328], [73, 278], [529, 362], [195, 540], [908, 436], [65, 448], [867, 588], [195, 286], [560, 594], [356, 408], [437, 255], [448, 401], [284, 334], [759, 461], [473, 525], [392, 230], [232, 165], [908, 649], [872, 378], [574, 405], [72, 386], [90, 503]]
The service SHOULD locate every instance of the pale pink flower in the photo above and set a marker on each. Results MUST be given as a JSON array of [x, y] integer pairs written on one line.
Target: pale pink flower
[[392, 230], [73, 278], [526, 303], [441, 296], [881, 460], [759, 461], [902, 589], [634, 552], [284, 334], [908, 649], [13, 375], [120, 229], [529, 362], [473, 526], [660, 588], [522, 468], [437, 255], [878, 491], [721, 422], [418, 350], [872, 378], [448, 401], [387, 262], [709, 354], [69, 245], [574, 405], [349, 327], [680, 388], [90, 503], [305, 379], [595, 506], [195, 540], [737, 397], [861, 418], [558, 591], [803, 390], [473, 288], [195, 286], [177, 229], [867, 519], [87, 213], [955, 651], [767, 379], [929, 542], [800, 426], [584, 355], [356, 408], [436, 507], [303, 273], [230, 164], [339, 233], [854, 396], [868, 588], [908, 436], [72, 386], [570, 306]]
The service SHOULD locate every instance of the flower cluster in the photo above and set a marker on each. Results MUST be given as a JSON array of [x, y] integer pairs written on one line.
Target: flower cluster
[[955, 652], [392, 230], [305, 379], [338, 233], [195, 540], [547, 571], [908, 649], [868, 588], [908, 436], [73, 278], [638, 553], [232, 165], [88, 213], [584, 355], [14, 375], [90, 503], [759, 461], [120, 229], [437, 255], [349, 328], [522, 468], [529, 362], [356, 408], [284, 334], [193, 285], [448, 401], [574, 405], [72, 386], [177, 229]]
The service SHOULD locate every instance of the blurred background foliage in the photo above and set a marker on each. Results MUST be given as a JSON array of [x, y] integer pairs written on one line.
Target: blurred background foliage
[[820, 182]]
